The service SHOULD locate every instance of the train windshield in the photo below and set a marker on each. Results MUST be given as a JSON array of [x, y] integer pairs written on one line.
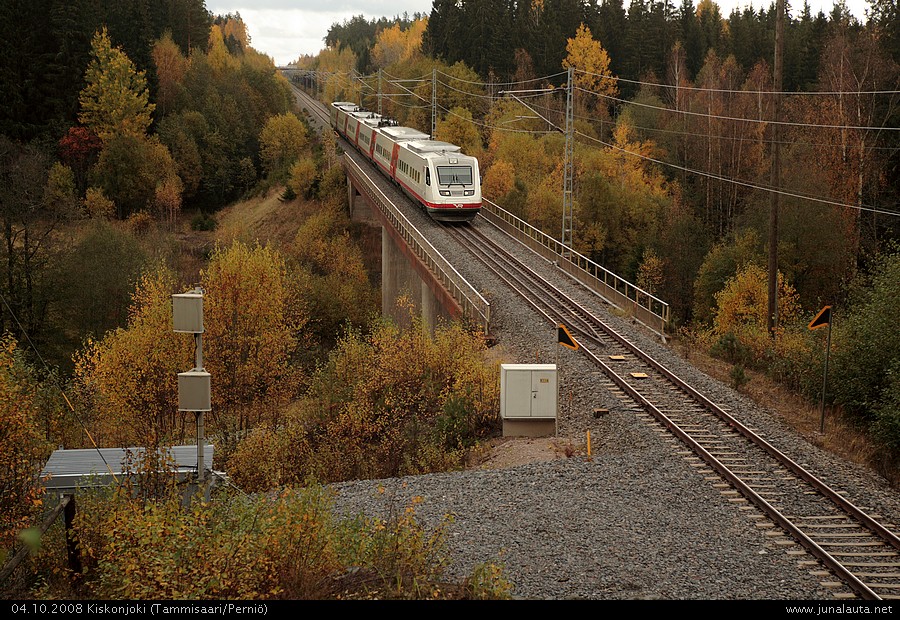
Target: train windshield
[[454, 175]]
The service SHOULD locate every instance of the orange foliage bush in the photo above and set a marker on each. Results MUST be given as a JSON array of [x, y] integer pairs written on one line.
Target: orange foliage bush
[[22, 452], [742, 306], [389, 403]]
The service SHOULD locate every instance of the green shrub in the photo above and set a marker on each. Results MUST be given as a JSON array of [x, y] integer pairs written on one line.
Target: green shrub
[[732, 350], [886, 428], [739, 378], [203, 221], [866, 340]]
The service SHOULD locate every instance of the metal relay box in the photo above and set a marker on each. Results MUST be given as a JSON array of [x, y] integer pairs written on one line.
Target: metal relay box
[[528, 391], [194, 389], [187, 312]]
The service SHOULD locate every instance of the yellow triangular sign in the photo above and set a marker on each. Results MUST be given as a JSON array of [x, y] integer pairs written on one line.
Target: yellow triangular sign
[[565, 338], [822, 319]]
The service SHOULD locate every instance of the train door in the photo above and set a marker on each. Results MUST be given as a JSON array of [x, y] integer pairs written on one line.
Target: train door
[[395, 155], [374, 137]]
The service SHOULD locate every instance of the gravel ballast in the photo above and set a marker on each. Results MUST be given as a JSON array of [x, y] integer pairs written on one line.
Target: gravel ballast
[[636, 520]]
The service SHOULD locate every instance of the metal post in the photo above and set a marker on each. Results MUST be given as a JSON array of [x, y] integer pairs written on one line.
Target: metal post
[[566, 237], [825, 376], [433, 101], [379, 92], [201, 439]]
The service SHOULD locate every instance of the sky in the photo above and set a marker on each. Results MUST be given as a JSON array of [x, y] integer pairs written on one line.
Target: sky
[[287, 29]]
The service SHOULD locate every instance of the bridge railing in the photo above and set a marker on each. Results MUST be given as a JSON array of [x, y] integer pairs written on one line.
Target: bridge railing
[[641, 305], [473, 304]]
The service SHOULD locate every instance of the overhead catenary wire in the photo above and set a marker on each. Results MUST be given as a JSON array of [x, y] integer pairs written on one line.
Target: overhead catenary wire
[[732, 118], [742, 92], [730, 180], [710, 175], [541, 93], [538, 79]]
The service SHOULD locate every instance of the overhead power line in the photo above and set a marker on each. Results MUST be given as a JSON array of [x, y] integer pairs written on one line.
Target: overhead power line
[[736, 119], [744, 92], [717, 177]]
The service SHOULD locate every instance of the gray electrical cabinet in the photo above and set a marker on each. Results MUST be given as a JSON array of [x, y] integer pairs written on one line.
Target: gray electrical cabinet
[[194, 389], [187, 312], [528, 399]]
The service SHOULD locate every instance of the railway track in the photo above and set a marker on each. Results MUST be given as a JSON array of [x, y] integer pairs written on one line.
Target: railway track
[[790, 502]]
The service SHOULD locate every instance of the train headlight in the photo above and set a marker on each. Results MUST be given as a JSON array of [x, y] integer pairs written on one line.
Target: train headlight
[[445, 192], [469, 192]]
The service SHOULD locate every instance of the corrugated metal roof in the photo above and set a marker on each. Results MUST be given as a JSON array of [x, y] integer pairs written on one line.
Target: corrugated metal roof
[[71, 469]]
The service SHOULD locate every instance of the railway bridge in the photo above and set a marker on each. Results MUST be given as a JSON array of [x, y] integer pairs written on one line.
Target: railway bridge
[[411, 267], [452, 294]]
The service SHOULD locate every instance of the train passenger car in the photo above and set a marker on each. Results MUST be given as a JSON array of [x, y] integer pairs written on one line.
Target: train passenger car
[[338, 112], [361, 130], [387, 138]]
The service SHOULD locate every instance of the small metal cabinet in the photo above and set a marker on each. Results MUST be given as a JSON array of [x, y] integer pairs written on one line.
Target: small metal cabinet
[[194, 389], [528, 391], [187, 312]]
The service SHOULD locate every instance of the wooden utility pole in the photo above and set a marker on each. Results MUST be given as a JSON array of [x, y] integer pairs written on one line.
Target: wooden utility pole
[[772, 315]]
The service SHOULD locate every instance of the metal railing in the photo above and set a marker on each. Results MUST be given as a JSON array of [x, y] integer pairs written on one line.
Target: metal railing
[[472, 303], [641, 305]]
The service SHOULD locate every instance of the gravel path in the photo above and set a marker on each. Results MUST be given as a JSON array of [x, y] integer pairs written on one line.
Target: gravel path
[[636, 521]]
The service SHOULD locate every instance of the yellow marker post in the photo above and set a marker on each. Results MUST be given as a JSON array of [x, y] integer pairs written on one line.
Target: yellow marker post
[[589, 443]]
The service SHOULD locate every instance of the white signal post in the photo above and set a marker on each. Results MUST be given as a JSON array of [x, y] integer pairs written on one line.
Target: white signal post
[[193, 386]]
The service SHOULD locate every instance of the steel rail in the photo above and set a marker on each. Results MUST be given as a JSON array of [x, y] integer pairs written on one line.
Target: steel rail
[[584, 328], [792, 529]]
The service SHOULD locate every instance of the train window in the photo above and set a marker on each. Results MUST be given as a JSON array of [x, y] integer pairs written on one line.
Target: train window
[[427, 177], [454, 175]]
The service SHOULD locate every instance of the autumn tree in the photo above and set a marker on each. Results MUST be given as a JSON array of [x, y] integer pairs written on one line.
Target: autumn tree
[[79, 149], [389, 402], [254, 321], [115, 100], [130, 170], [218, 56], [128, 378], [742, 306], [591, 63], [171, 67], [724, 260], [457, 128], [22, 450], [499, 180], [281, 141], [395, 45], [95, 277], [302, 176], [97, 206], [332, 276]]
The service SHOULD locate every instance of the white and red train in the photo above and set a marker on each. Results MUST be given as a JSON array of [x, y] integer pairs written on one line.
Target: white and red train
[[436, 174]]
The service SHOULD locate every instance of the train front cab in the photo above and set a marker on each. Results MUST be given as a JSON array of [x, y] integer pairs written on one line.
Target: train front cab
[[452, 184]]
